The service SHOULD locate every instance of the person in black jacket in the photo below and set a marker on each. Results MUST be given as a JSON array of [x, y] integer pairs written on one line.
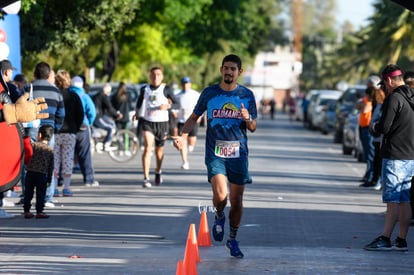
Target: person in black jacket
[[121, 101], [397, 151], [106, 114], [65, 139]]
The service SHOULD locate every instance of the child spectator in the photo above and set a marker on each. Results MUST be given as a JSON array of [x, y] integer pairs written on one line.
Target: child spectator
[[39, 173]]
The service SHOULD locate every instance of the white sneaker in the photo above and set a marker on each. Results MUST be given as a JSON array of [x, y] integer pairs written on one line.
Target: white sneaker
[[185, 166], [146, 184], [108, 147], [94, 184], [190, 148], [49, 204], [378, 186], [8, 203], [11, 194], [5, 215]]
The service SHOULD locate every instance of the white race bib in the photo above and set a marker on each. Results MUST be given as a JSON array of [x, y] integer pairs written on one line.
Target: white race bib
[[227, 149]]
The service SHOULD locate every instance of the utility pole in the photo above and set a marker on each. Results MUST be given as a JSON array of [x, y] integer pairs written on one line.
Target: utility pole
[[297, 22], [296, 10]]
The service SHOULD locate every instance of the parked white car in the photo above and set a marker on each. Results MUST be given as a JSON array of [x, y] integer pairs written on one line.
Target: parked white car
[[321, 102]]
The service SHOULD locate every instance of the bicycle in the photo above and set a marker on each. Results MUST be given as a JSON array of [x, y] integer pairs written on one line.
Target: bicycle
[[124, 146]]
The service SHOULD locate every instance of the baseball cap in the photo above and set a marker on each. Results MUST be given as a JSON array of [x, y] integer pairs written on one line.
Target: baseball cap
[[374, 80], [77, 81], [185, 79], [6, 65]]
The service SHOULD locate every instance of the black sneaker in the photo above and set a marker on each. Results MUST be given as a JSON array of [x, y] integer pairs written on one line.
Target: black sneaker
[[367, 184], [158, 178], [400, 244], [379, 244]]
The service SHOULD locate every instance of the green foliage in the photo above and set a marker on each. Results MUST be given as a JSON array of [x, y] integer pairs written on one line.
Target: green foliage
[[122, 39], [388, 38]]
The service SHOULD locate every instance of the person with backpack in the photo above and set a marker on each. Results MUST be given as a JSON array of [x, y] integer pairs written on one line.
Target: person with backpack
[[153, 103]]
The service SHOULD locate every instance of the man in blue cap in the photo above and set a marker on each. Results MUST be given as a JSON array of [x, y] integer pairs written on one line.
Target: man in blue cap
[[187, 99]]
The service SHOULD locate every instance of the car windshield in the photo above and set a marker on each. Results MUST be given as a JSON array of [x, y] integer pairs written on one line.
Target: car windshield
[[326, 101], [353, 94]]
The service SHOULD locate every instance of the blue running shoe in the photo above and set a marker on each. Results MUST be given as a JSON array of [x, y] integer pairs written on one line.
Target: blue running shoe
[[56, 193], [67, 193], [233, 248], [218, 229]]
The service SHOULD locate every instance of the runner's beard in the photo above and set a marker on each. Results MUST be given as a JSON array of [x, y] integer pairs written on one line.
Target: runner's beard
[[228, 79]]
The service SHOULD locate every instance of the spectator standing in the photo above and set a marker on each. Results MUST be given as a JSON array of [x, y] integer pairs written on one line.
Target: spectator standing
[[65, 139], [187, 99], [409, 80], [397, 151], [291, 104], [231, 111], [105, 114], [121, 101], [365, 114], [305, 107], [155, 99], [43, 86], [272, 108], [20, 81], [83, 137], [378, 99], [39, 173], [16, 89]]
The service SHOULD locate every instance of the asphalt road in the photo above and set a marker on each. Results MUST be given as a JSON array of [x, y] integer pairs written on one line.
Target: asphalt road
[[304, 214]]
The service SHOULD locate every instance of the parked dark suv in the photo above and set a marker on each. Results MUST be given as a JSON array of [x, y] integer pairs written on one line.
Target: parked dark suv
[[344, 106]]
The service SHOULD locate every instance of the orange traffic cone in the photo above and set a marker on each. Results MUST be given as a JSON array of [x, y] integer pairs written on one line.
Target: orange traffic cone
[[191, 255], [204, 238], [192, 243], [180, 268], [190, 259]]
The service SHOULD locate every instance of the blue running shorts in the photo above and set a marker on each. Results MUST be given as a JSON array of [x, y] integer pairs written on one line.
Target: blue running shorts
[[236, 170]]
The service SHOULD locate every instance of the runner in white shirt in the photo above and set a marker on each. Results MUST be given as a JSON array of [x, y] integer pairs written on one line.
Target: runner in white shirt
[[153, 103], [187, 99]]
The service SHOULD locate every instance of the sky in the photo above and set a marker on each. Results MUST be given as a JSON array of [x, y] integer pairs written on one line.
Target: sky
[[355, 11]]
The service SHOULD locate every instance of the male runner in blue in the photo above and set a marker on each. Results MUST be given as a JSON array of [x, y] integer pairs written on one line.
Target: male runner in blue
[[231, 111]]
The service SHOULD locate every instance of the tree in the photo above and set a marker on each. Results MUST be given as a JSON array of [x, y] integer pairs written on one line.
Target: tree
[[193, 36], [388, 38], [121, 39], [54, 28]]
